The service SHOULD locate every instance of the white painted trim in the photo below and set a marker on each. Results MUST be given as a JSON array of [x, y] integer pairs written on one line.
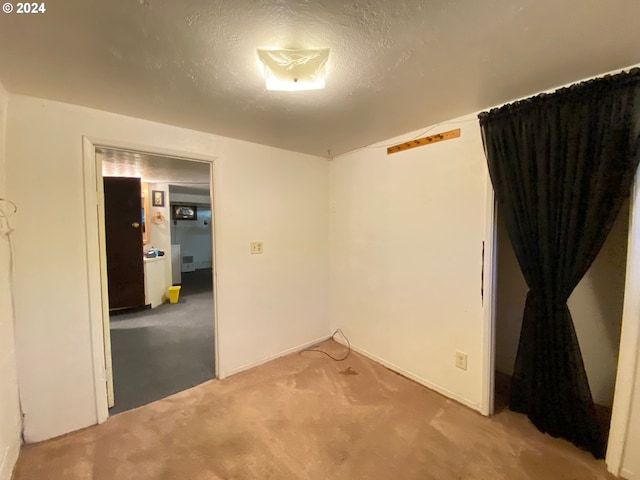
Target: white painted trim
[[405, 373], [629, 338], [104, 284], [624, 473], [152, 150], [274, 356], [9, 461], [489, 303], [94, 279], [96, 263], [215, 231]]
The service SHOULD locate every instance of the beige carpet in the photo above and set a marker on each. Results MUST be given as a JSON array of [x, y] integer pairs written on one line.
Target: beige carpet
[[299, 417]]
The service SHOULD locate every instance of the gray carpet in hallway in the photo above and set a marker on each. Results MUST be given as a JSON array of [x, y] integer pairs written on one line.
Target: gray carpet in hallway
[[165, 350]]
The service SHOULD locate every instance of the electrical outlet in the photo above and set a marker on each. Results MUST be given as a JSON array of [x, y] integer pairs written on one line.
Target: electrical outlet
[[461, 360], [256, 248]]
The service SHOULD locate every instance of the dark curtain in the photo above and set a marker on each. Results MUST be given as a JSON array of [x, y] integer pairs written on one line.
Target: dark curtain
[[561, 165]]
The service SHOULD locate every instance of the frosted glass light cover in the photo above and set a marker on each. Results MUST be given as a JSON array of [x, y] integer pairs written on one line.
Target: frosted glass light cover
[[294, 70]]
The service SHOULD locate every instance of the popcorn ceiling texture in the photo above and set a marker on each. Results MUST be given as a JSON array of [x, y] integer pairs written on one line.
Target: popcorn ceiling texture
[[394, 66], [153, 168]]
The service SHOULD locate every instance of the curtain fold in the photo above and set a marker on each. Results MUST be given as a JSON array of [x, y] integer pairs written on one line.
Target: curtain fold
[[561, 165]]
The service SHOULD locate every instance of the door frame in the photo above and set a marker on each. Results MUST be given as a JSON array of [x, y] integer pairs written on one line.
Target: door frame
[[96, 258], [489, 286], [626, 373], [629, 337]]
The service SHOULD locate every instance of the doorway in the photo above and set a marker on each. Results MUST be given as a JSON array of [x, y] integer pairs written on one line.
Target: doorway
[[596, 306], [164, 345]]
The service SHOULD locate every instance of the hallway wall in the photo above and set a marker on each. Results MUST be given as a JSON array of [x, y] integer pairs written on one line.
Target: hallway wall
[[194, 236], [160, 234]]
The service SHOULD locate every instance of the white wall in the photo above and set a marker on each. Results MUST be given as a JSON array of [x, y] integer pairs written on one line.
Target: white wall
[[194, 236], [203, 199], [595, 305], [10, 422], [160, 233], [406, 242], [511, 293], [266, 303]]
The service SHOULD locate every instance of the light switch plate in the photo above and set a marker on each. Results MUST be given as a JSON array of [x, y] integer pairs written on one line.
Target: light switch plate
[[256, 248], [461, 360]]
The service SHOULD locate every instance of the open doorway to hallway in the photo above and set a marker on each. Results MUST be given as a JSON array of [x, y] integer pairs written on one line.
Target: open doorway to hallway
[[156, 347]]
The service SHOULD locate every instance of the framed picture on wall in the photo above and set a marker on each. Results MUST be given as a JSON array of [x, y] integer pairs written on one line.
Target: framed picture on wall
[[184, 212], [157, 198]]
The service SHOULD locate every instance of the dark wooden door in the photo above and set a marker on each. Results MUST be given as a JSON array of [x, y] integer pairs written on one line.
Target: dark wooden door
[[123, 224]]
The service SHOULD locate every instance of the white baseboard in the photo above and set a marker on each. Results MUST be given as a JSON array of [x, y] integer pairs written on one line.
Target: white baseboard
[[412, 376], [9, 461], [624, 473], [297, 348]]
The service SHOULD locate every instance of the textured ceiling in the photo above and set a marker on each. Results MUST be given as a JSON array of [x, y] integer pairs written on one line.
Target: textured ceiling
[[188, 176], [394, 66]]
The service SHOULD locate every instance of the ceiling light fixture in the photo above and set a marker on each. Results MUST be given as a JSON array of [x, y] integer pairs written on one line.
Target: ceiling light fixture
[[294, 70]]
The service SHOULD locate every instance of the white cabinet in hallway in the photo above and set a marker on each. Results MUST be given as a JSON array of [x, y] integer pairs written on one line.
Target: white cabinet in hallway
[[155, 290]]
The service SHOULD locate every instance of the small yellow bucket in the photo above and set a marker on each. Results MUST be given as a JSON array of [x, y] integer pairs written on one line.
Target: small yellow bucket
[[174, 294]]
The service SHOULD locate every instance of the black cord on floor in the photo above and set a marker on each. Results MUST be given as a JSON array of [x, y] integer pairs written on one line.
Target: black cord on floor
[[319, 350]]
